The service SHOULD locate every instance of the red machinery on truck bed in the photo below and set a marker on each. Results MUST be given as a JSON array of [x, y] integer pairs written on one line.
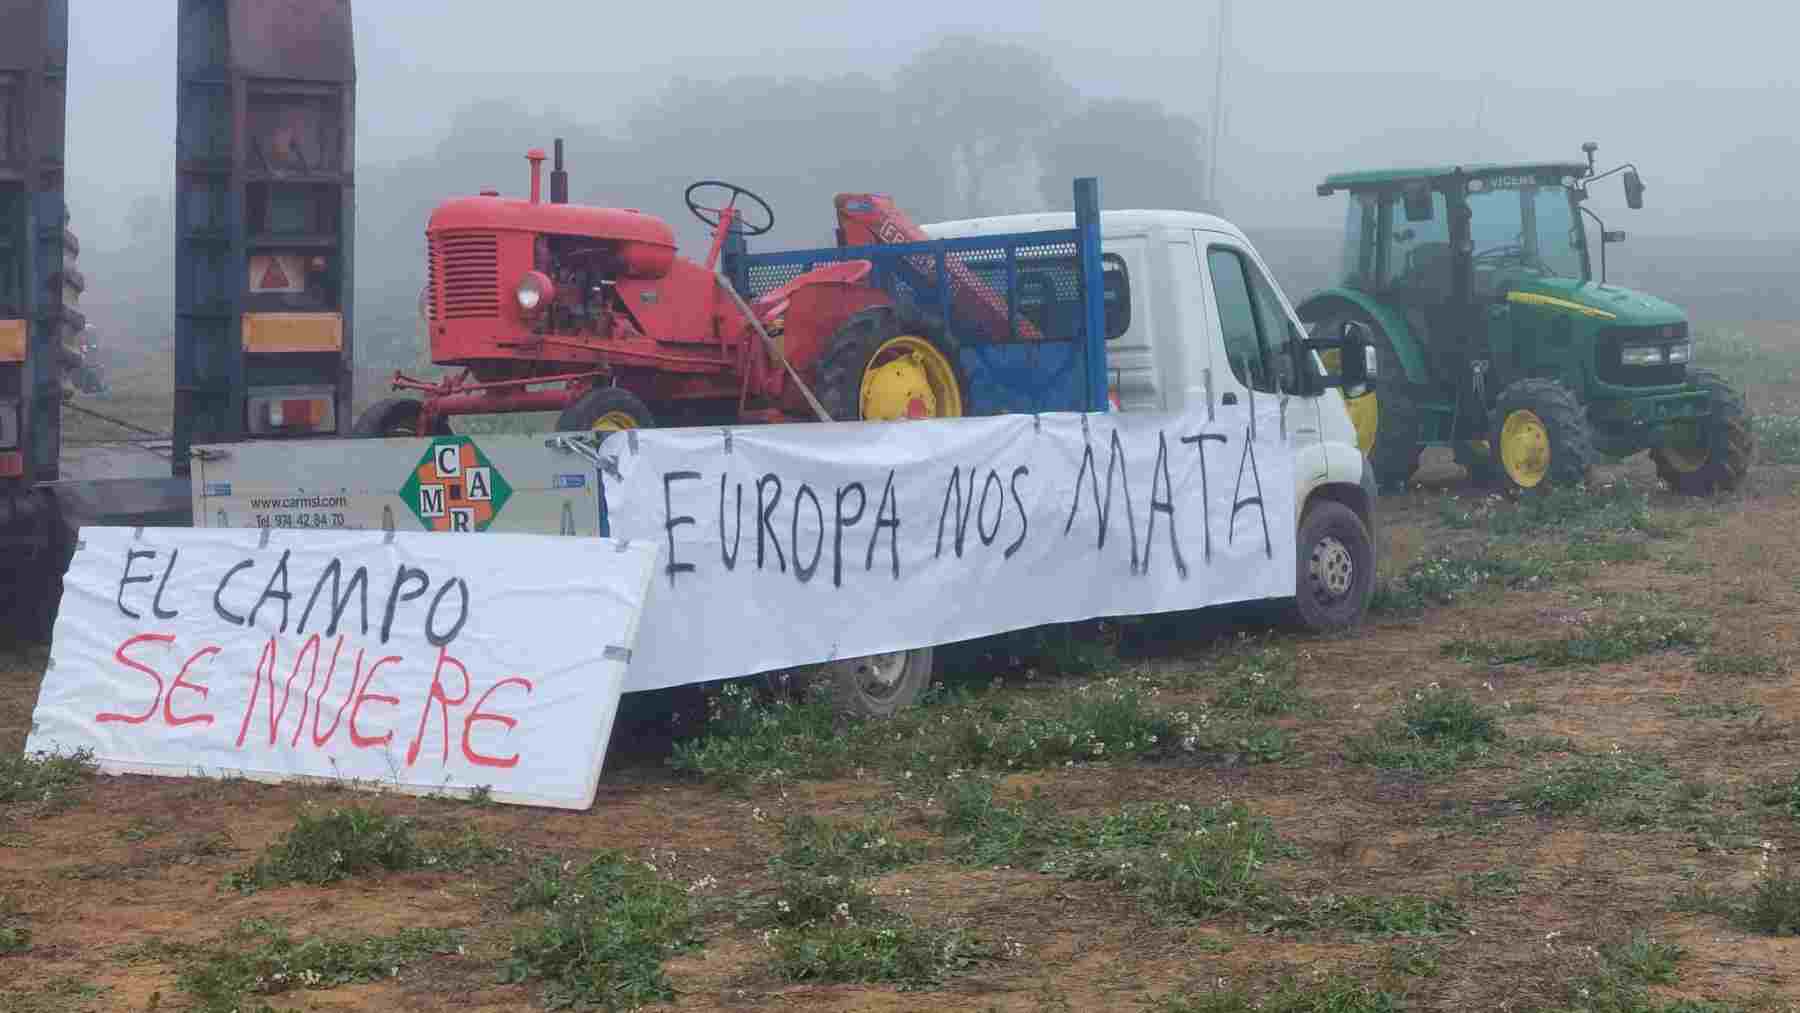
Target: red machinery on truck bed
[[591, 312]]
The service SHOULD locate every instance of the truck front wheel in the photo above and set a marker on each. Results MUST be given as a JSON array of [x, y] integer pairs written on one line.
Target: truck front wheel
[[878, 685], [1336, 561], [1715, 452]]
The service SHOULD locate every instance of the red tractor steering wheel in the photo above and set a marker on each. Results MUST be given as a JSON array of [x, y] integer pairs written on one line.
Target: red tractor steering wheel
[[739, 226]]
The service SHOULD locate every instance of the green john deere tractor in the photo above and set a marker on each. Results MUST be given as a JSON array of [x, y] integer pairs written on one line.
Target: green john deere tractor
[[1494, 339]]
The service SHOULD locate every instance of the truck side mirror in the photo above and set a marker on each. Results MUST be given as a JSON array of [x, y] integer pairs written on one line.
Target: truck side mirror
[[1634, 190], [1352, 350]]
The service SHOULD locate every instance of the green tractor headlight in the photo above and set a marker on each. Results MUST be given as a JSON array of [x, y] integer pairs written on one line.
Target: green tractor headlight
[[1641, 355], [1681, 353]]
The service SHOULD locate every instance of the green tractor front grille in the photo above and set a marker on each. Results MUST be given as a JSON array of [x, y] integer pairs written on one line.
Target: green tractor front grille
[[1612, 368]]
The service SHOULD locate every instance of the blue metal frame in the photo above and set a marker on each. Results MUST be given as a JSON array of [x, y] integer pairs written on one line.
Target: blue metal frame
[[1005, 373]]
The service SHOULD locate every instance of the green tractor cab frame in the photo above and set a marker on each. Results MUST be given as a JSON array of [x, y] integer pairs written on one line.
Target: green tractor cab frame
[[1491, 336]]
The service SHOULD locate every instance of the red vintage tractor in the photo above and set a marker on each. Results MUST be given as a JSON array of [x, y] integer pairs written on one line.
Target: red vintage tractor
[[589, 311]]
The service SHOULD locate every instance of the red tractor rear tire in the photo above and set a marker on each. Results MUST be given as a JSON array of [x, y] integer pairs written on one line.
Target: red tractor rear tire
[[869, 341]]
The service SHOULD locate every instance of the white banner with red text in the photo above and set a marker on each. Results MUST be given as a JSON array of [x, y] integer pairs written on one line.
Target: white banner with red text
[[421, 662]]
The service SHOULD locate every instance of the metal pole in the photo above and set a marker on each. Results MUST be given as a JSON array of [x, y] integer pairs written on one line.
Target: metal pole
[[1093, 292], [1218, 111]]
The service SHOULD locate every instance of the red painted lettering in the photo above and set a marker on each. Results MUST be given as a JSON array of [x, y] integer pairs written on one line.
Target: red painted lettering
[[319, 708], [265, 662], [287, 692], [444, 703], [119, 656], [181, 683], [357, 739], [477, 714]]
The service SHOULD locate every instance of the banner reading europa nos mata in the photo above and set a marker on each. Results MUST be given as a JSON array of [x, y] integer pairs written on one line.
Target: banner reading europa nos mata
[[790, 545], [423, 662]]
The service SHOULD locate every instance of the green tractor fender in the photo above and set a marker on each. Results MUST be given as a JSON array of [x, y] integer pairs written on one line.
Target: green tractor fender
[[1406, 347]]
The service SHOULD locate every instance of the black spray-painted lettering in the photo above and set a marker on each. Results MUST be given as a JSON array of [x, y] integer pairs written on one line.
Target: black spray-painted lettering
[[132, 556], [1024, 519], [670, 522], [1115, 460], [156, 602], [401, 576], [1199, 441], [730, 558], [1159, 478], [765, 508], [837, 537], [462, 615], [283, 596], [805, 573], [1253, 501], [218, 592], [340, 597], [963, 511], [981, 528], [889, 519]]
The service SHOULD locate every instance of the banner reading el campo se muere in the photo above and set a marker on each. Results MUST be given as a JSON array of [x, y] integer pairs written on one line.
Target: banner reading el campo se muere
[[418, 661]]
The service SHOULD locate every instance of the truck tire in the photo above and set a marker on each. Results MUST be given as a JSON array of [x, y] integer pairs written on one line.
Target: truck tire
[[1335, 557], [878, 685], [1541, 437], [1727, 444], [881, 364], [1396, 449], [605, 409], [395, 417]]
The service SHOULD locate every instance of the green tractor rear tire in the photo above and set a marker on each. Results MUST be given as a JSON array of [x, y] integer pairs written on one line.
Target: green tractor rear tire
[[1726, 444], [1541, 437], [1394, 448]]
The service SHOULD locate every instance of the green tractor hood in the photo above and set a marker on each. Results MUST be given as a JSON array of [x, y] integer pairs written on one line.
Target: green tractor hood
[[1614, 305]]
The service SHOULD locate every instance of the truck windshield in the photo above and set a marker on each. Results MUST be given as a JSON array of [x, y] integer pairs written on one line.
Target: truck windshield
[[1529, 228]]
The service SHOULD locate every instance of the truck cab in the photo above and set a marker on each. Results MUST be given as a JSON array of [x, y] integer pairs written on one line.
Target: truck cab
[[1198, 316]]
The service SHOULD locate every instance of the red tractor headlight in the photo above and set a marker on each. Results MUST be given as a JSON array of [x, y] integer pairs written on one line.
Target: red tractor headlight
[[535, 292]]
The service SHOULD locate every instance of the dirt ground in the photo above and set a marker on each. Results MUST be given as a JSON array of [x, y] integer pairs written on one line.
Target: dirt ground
[[135, 860]]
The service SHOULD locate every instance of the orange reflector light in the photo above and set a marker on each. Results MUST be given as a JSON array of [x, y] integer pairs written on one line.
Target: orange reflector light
[[12, 341], [295, 413], [12, 464]]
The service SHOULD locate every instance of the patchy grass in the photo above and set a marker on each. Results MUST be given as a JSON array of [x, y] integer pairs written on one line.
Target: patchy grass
[[15, 936], [981, 832], [1618, 778], [751, 741], [1575, 512], [1716, 710], [1337, 993], [226, 978], [42, 777], [1777, 438], [1731, 663], [605, 929], [1597, 643], [1433, 731], [329, 847], [1492, 883], [1442, 579], [861, 848]]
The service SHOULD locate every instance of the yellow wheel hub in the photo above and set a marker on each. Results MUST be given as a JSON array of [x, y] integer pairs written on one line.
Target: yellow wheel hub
[[908, 378], [1525, 448], [1686, 453], [613, 422], [1365, 414]]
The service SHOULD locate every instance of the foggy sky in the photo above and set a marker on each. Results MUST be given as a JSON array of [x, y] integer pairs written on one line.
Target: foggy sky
[[1700, 96]]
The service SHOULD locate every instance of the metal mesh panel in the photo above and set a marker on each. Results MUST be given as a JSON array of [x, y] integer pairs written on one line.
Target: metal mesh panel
[[1012, 303]]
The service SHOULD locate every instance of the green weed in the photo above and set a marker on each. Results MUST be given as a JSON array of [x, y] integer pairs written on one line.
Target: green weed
[[820, 845], [900, 952], [1434, 730], [1607, 552], [605, 929], [354, 841], [43, 777], [1372, 916], [1572, 511], [1777, 438], [1728, 663], [1597, 643], [1414, 960], [1584, 781], [225, 979], [15, 936], [1493, 883], [981, 832], [1202, 873], [1440, 580], [1338, 993]]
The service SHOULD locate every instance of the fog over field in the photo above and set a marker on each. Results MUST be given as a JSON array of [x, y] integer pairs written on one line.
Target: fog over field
[[961, 114]]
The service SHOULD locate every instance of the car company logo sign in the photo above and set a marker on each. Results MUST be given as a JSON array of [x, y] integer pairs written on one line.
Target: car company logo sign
[[455, 488]]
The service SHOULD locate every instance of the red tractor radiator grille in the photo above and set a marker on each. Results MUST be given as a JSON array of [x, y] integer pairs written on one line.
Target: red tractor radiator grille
[[464, 277]]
